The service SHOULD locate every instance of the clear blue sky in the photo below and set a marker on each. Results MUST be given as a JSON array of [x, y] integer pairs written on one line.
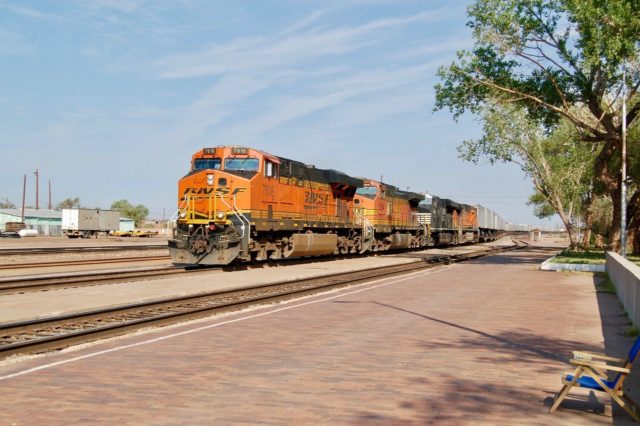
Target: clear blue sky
[[110, 98]]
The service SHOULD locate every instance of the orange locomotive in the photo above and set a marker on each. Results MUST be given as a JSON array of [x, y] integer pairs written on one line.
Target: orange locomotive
[[242, 203], [392, 215]]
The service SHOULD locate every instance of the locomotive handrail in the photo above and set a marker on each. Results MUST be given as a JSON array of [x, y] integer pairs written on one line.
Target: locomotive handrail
[[191, 210], [368, 230], [177, 212], [241, 216]]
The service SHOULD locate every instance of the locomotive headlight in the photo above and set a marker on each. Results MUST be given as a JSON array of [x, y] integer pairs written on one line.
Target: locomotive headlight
[[210, 179], [220, 215], [183, 214]]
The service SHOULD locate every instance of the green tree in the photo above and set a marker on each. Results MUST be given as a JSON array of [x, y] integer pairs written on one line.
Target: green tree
[[138, 213], [68, 203], [556, 59], [602, 210], [541, 207], [6, 204], [560, 168]]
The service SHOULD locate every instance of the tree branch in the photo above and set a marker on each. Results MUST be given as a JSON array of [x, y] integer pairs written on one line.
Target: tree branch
[[575, 121]]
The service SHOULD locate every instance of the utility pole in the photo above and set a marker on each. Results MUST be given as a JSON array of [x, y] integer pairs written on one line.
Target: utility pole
[[37, 173], [24, 193], [49, 204], [623, 182]]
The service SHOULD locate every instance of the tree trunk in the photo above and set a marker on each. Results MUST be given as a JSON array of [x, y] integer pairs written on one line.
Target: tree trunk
[[588, 221], [614, 237], [633, 215], [566, 221], [611, 181]]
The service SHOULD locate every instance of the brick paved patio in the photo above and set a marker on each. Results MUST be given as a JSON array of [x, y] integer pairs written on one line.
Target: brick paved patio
[[478, 343]]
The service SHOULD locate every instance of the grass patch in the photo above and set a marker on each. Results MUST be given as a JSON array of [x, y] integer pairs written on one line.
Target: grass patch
[[580, 257], [632, 331], [589, 257]]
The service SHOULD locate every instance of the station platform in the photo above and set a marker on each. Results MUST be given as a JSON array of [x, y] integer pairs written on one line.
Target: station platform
[[481, 342], [39, 304]]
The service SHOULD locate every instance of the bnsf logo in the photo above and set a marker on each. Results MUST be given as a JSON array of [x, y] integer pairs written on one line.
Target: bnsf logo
[[208, 191], [314, 198]]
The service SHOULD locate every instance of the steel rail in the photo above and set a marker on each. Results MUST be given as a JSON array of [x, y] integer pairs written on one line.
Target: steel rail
[[12, 285], [26, 251], [75, 262], [50, 282], [43, 334]]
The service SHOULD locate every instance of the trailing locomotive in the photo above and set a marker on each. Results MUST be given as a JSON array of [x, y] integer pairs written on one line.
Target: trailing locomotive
[[239, 203]]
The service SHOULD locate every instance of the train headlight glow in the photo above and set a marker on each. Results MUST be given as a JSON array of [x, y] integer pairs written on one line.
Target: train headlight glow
[[220, 215], [209, 179], [183, 214]]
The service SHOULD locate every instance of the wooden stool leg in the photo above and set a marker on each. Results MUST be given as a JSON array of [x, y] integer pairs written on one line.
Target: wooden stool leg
[[564, 391]]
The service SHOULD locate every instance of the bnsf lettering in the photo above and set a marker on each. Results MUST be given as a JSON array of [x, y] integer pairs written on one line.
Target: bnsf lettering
[[315, 198], [207, 191], [198, 191], [225, 191]]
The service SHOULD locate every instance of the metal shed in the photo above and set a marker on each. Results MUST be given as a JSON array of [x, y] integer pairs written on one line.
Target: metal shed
[[46, 222], [126, 224]]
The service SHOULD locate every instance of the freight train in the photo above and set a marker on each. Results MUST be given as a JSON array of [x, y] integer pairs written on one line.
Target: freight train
[[242, 204]]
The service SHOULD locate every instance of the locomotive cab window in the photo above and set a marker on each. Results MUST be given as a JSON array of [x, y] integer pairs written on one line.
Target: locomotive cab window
[[242, 164], [270, 169], [206, 163], [367, 191]]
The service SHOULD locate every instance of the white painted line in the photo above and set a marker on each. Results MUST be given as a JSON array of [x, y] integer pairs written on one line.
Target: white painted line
[[182, 333]]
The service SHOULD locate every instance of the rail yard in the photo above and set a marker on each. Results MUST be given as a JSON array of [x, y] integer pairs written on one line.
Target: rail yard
[[373, 256], [340, 324], [352, 270], [117, 275]]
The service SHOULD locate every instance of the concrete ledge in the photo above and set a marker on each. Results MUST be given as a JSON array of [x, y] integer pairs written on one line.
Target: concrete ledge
[[625, 276], [548, 265]]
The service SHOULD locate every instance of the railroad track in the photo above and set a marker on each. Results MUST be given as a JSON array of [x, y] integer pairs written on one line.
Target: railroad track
[[58, 332], [83, 249], [57, 282], [76, 262], [44, 282]]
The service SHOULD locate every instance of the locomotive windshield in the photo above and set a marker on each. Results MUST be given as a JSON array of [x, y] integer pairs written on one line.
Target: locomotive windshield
[[245, 164], [367, 191], [206, 163]]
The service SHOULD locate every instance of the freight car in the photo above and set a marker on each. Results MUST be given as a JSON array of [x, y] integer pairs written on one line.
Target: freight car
[[239, 203], [87, 223], [490, 224]]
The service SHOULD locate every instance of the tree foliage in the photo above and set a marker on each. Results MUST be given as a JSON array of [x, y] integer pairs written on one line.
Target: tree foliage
[[138, 213], [557, 60], [69, 203], [559, 166], [547, 56], [6, 204], [542, 209]]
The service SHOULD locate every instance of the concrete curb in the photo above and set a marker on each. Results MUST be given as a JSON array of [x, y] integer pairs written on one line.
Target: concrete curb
[[548, 265]]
